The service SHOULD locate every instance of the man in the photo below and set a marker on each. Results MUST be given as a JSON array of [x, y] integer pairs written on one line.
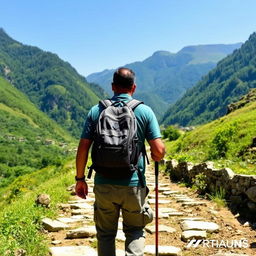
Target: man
[[126, 195]]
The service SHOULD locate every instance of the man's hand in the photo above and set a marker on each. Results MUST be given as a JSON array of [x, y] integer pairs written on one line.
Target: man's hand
[[81, 189], [157, 149]]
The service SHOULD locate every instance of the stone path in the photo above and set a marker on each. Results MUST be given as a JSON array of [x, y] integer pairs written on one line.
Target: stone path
[[188, 225]]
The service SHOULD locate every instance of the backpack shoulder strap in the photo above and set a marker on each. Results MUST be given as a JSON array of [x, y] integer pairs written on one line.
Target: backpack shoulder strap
[[106, 103], [134, 104]]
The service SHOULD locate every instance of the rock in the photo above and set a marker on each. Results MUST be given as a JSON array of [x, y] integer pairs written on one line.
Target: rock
[[81, 206], [175, 214], [120, 252], [20, 252], [184, 200], [161, 228], [193, 203], [162, 250], [43, 200], [193, 234], [56, 242], [167, 210], [72, 251], [81, 211], [83, 232], [161, 201], [171, 192], [53, 225], [162, 189], [252, 206], [200, 225], [64, 207], [246, 224], [70, 220], [251, 193], [192, 219], [154, 196]]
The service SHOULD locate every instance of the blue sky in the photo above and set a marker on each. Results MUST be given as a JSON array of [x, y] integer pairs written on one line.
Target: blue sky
[[98, 34]]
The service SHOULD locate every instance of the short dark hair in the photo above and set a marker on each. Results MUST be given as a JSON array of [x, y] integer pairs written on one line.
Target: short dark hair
[[124, 78]]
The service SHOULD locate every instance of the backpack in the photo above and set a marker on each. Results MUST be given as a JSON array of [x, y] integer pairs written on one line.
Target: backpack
[[115, 151]]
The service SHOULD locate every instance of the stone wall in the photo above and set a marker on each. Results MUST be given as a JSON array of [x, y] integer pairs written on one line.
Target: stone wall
[[240, 189]]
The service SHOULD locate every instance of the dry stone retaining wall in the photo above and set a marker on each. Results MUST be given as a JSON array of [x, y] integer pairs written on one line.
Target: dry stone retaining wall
[[240, 189]]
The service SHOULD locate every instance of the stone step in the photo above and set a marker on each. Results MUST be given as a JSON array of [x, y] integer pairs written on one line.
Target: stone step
[[200, 225], [81, 206], [195, 203], [163, 250], [53, 225], [83, 232], [161, 228], [154, 196], [228, 254], [171, 192], [84, 212], [72, 251], [193, 234], [160, 201]]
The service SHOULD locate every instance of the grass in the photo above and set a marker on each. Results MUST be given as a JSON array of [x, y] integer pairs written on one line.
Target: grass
[[218, 197], [224, 141], [20, 217]]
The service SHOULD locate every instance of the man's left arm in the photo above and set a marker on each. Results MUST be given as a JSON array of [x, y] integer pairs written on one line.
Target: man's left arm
[[81, 161]]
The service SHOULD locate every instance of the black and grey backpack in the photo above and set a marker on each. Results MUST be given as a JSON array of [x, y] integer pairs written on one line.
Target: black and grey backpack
[[116, 151]]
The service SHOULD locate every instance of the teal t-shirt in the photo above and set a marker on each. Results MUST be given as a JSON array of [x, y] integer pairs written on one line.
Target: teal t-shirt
[[147, 128]]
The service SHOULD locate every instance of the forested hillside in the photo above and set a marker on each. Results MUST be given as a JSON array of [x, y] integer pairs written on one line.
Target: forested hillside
[[29, 139], [49, 82], [229, 141], [167, 76], [208, 100]]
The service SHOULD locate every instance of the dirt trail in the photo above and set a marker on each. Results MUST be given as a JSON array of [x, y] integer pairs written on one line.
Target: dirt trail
[[228, 237]]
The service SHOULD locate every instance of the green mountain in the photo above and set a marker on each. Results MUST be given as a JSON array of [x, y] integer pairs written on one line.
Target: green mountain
[[49, 82], [228, 141], [167, 75], [29, 139], [208, 100]]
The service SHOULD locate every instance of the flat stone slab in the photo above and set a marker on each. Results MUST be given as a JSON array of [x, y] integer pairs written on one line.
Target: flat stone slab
[[53, 225], [82, 212], [163, 250], [195, 203], [160, 201], [70, 220], [162, 215], [200, 225], [81, 201], [193, 234], [192, 219], [167, 210], [171, 192], [81, 206], [161, 228], [175, 214], [184, 200], [72, 251], [83, 232], [162, 189], [120, 252], [154, 196]]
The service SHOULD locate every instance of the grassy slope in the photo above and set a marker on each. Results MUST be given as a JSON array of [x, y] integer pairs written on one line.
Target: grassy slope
[[20, 218], [198, 145]]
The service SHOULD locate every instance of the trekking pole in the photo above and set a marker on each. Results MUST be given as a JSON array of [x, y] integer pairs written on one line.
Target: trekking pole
[[156, 205]]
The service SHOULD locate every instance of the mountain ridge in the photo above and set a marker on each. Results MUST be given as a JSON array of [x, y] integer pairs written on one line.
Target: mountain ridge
[[168, 75], [230, 79]]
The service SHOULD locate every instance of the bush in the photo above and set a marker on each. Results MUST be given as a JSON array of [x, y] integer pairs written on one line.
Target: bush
[[219, 144], [171, 133]]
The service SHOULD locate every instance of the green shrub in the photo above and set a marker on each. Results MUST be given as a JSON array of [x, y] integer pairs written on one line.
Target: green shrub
[[219, 144], [171, 133], [199, 183]]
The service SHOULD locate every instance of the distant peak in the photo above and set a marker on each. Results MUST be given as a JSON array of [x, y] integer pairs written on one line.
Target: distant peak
[[162, 53]]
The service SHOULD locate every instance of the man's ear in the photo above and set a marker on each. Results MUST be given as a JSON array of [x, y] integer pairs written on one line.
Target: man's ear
[[113, 87], [134, 88]]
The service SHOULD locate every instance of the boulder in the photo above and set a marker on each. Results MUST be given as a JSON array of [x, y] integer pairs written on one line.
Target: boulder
[[43, 200]]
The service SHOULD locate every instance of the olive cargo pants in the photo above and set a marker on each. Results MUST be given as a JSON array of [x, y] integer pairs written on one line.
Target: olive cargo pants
[[110, 200]]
